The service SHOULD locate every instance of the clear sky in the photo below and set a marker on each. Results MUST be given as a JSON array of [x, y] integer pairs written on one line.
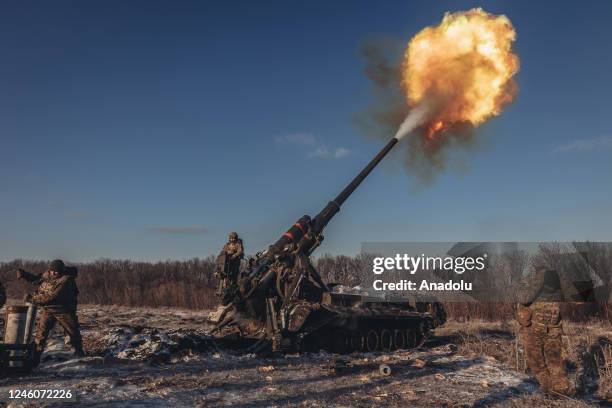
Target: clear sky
[[148, 130]]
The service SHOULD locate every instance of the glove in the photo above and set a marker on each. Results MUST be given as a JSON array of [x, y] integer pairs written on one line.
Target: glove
[[20, 273], [27, 298]]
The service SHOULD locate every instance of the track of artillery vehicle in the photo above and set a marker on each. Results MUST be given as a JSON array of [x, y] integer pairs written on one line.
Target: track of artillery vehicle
[[280, 303]]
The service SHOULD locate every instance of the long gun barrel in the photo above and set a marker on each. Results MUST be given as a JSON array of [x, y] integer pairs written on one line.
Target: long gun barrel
[[321, 220], [307, 232], [310, 229]]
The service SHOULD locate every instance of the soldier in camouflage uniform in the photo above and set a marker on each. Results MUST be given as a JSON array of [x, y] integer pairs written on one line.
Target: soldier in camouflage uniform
[[57, 297], [228, 265], [538, 313]]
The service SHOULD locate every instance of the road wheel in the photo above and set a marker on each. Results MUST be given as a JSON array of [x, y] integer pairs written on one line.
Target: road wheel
[[372, 341], [357, 341], [386, 340], [399, 340], [411, 339]]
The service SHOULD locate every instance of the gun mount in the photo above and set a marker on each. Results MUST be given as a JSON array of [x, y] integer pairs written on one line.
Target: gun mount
[[281, 301]]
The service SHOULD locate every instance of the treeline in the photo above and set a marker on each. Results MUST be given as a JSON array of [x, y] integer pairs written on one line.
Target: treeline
[[186, 284], [191, 284]]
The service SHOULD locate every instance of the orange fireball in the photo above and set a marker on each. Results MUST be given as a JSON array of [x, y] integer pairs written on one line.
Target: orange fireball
[[463, 67]]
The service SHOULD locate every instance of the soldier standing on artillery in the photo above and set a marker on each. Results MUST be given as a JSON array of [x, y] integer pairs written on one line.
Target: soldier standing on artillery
[[228, 264], [539, 315], [57, 297]]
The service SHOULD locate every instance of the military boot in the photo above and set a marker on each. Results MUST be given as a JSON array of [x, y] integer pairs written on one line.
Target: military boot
[[562, 385], [79, 352], [544, 381]]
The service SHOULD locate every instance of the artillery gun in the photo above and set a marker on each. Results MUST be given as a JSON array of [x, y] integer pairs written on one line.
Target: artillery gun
[[281, 303]]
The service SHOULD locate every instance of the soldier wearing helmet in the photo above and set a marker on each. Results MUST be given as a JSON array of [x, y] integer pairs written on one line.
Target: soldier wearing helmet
[[228, 265]]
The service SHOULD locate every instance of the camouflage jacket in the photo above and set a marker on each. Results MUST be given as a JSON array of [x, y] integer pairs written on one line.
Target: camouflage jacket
[[61, 291], [234, 249]]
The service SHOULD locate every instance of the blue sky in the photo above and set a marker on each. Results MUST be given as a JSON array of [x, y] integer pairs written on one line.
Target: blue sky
[[148, 130]]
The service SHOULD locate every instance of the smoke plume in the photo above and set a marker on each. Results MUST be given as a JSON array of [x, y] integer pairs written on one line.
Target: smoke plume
[[450, 79]]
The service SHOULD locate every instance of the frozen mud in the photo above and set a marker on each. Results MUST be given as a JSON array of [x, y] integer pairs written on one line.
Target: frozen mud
[[150, 358]]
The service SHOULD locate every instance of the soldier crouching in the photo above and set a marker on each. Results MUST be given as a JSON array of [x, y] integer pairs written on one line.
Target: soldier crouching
[[539, 315], [57, 297]]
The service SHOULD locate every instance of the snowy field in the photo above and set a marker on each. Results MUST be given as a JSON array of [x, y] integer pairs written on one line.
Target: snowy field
[[164, 357]]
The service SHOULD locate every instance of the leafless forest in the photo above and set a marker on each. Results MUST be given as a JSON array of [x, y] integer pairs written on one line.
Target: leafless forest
[[191, 284]]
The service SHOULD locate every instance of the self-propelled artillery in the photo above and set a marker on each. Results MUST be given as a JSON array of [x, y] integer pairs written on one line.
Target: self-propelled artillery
[[281, 303]]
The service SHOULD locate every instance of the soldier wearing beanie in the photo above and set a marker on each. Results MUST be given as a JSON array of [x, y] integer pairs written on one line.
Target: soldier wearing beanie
[[56, 296]]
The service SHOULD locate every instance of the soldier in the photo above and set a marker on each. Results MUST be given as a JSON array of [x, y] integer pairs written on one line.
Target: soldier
[[228, 262], [57, 297], [538, 313]]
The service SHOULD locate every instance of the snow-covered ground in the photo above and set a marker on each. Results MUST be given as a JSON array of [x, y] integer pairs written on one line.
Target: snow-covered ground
[[164, 357]]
